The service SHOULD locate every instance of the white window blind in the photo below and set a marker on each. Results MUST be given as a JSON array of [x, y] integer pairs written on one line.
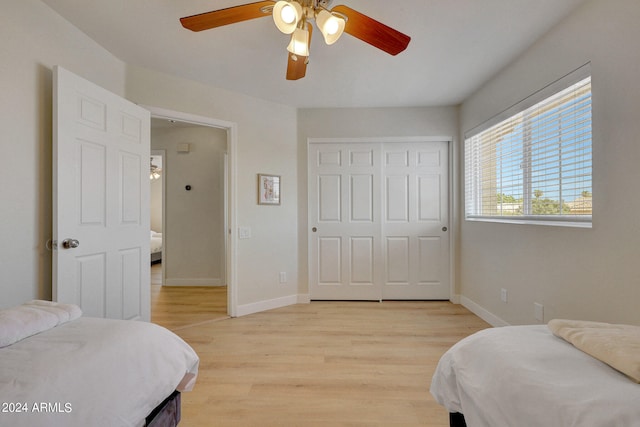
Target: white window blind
[[535, 165]]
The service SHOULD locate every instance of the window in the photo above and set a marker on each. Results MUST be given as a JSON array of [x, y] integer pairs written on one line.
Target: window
[[535, 165]]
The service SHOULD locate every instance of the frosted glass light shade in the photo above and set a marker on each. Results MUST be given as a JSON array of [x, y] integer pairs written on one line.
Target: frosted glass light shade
[[331, 26], [299, 44], [286, 15]]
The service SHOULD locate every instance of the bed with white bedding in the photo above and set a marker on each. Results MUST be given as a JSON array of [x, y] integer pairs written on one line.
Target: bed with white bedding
[[527, 376], [86, 371], [155, 245]]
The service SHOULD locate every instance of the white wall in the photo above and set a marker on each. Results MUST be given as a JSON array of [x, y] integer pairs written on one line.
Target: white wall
[[194, 251], [587, 273], [32, 40], [266, 144], [358, 123], [575, 273]]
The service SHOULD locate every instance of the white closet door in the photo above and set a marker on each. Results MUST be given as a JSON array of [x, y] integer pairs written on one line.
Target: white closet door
[[344, 210], [378, 219], [415, 221]]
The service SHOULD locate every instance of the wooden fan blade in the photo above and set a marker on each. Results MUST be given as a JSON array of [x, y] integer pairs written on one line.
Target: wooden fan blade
[[230, 15], [373, 32], [297, 65]]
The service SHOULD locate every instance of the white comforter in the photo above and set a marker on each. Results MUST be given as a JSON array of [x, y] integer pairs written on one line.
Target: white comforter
[[525, 376], [155, 243], [92, 372]]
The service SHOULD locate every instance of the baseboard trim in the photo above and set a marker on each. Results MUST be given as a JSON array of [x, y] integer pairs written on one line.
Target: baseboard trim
[[256, 307], [304, 299], [482, 313], [193, 282]]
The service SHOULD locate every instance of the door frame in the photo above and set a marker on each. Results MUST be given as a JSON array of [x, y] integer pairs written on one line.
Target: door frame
[[230, 191], [451, 204], [162, 153]]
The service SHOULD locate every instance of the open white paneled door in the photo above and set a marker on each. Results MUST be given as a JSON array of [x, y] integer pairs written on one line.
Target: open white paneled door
[[100, 200]]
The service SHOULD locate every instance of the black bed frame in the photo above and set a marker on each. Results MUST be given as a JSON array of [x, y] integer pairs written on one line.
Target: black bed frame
[[166, 414], [456, 419]]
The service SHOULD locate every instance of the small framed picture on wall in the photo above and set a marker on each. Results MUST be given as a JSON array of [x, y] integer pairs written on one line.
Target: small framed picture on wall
[[268, 189]]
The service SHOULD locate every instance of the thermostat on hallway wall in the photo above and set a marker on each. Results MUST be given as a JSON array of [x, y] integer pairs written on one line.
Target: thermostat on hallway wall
[[184, 147]]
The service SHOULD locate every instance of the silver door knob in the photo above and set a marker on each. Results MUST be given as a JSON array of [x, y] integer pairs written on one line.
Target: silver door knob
[[70, 243]]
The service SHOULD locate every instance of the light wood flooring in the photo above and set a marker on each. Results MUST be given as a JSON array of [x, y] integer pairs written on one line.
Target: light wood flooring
[[323, 364], [176, 307]]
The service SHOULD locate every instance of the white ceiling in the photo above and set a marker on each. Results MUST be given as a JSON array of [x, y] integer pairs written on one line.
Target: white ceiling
[[456, 46]]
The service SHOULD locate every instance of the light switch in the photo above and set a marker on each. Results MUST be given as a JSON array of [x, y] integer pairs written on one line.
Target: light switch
[[538, 311], [244, 232]]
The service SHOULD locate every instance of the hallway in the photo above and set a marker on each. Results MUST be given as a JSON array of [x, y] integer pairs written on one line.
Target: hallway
[[176, 307]]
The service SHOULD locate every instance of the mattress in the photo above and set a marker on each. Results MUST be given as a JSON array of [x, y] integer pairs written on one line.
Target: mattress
[[526, 376], [93, 372], [155, 244]]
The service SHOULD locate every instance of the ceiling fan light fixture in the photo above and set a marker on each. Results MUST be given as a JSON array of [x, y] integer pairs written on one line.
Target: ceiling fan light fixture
[[330, 25], [299, 44], [287, 15], [293, 17], [154, 171]]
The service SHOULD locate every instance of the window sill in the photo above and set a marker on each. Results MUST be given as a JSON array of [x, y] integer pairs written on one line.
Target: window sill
[[569, 222]]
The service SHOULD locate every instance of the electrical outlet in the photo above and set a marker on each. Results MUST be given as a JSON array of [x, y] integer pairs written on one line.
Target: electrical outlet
[[538, 311], [283, 277], [503, 295]]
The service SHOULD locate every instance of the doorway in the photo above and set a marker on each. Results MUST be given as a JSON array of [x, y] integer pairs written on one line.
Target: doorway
[[157, 176], [213, 281]]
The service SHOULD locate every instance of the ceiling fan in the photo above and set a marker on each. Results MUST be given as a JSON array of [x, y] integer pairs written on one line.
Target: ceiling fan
[[294, 17]]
